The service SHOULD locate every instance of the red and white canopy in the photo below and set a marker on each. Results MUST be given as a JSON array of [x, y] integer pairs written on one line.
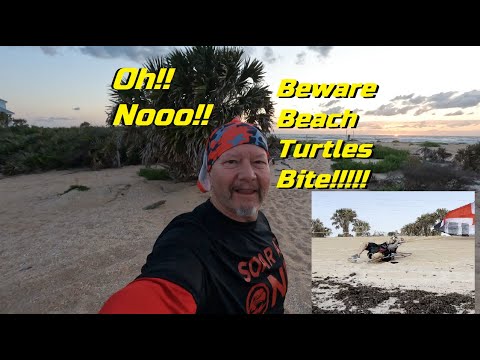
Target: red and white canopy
[[460, 221]]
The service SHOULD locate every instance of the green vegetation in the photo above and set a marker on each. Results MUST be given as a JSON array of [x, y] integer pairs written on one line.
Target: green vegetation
[[391, 160], [25, 149], [424, 223], [222, 76], [154, 174], [318, 229], [469, 158], [419, 176], [382, 152], [342, 218]]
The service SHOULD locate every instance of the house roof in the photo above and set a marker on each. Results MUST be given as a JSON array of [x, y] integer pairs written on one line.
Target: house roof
[[3, 107], [8, 112]]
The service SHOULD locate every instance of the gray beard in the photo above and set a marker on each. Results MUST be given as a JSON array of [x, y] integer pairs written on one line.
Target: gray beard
[[247, 212]]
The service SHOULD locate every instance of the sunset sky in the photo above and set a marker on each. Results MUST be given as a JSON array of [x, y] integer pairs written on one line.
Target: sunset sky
[[423, 90]]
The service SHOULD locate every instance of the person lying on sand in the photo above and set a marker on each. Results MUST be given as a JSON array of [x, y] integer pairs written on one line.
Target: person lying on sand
[[379, 252]]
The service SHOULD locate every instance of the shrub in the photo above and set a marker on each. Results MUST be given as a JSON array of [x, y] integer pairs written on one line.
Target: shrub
[[469, 158], [154, 174], [425, 176]]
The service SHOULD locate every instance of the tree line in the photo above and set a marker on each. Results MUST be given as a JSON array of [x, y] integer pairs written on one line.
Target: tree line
[[223, 76], [343, 218]]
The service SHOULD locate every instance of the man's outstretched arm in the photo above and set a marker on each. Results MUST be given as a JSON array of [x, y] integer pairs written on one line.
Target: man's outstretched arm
[[150, 296]]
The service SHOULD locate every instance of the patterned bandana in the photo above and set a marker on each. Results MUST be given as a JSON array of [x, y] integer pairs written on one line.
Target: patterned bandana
[[224, 138]]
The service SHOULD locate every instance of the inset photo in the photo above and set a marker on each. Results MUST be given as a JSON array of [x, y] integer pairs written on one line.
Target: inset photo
[[403, 252]]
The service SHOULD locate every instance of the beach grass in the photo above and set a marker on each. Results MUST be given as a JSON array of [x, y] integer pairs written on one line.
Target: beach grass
[[154, 174], [390, 160]]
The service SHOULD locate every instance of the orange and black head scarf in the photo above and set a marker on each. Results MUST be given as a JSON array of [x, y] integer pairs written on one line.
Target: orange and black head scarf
[[224, 138]]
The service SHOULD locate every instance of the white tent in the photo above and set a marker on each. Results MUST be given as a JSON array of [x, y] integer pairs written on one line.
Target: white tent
[[459, 221]]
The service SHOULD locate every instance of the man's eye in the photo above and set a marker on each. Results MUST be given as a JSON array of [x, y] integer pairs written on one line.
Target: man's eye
[[260, 164], [231, 162]]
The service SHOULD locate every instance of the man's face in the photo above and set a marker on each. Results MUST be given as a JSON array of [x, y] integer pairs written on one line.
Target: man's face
[[240, 179]]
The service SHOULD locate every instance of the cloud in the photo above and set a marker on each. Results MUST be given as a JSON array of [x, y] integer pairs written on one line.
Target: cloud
[[141, 53], [321, 51], [301, 57], [135, 53], [403, 97], [421, 125], [331, 102], [459, 112], [371, 125], [53, 119], [50, 50], [268, 55], [335, 110], [389, 110], [76, 108], [421, 104], [249, 51]]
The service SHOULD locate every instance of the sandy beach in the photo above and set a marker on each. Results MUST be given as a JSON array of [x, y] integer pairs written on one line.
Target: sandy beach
[[477, 252], [68, 253], [436, 276], [440, 271]]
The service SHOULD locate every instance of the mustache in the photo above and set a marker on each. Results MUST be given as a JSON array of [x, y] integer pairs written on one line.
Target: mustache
[[258, 190], [251, 188]]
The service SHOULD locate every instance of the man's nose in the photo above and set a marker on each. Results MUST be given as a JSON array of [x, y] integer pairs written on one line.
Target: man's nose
[[246, 171]]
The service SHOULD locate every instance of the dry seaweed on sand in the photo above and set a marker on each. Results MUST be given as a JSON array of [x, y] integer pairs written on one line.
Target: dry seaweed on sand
[[362, 299]]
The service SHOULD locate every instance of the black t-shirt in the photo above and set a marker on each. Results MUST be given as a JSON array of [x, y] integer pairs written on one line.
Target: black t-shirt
[[228, 266]]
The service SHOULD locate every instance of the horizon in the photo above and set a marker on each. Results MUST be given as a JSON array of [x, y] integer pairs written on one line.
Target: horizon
[[64, 86], [304, 133]]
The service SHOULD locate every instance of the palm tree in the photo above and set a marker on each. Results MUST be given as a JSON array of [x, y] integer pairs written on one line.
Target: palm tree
[[440, 214], [423, 225], [221, 76], [361, 228], [342, 219], [425, 222], [319, 230]]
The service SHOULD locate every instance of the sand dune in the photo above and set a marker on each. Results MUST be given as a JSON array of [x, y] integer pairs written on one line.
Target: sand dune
[[68, 253]]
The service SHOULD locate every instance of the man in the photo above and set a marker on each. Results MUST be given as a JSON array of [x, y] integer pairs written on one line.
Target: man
[[222, 257], [379, 252]]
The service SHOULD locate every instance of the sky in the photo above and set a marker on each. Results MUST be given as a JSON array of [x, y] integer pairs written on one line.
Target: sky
[[423, 90], [385, 211]]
